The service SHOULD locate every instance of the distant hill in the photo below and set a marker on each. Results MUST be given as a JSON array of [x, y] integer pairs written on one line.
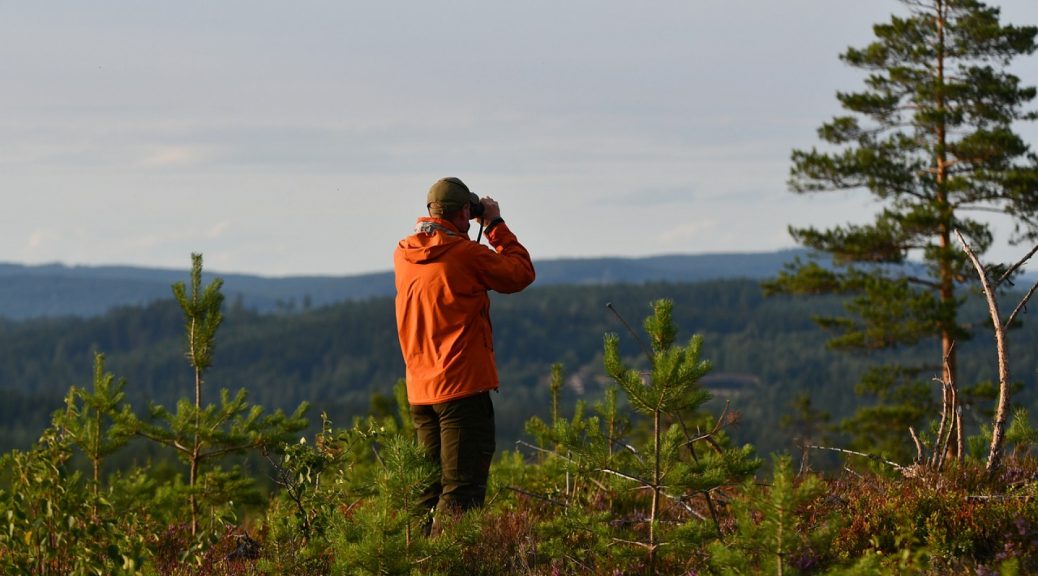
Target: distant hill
[[55, 290], [58, 290], [669, 268]]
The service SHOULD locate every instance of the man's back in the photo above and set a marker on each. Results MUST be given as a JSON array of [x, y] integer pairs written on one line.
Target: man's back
[[443, 311]]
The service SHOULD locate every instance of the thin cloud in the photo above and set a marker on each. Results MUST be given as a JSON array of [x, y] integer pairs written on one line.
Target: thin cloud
[[688, 233], [173, 156], [654, 197], [218, 229]]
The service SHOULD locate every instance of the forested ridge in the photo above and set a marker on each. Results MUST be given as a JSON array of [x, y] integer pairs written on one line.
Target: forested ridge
[[59, 290], [339, 358]]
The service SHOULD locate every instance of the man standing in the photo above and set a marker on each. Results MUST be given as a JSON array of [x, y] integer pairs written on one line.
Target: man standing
[[443, 322]]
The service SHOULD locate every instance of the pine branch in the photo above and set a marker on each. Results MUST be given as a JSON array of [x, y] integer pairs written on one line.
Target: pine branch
[[229, 449], [921, 282], [172, 442]]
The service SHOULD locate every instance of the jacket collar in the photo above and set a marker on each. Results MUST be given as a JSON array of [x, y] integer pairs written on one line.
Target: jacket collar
[[429, 225]]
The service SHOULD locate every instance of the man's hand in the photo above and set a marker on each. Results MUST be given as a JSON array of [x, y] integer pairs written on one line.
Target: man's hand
[[490, 210]]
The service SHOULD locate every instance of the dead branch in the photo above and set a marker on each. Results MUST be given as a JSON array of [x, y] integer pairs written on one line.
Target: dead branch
[[996, 496], [558, 503], [1016, 266], [1022, 305], [940, 427], [645, 545], [645, 483], [918, 445], [873, 457], [539, 449], [999, 424], [853, 473], [687, 507]]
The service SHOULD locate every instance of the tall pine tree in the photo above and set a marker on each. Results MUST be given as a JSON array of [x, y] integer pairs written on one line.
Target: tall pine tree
[[931, 138]]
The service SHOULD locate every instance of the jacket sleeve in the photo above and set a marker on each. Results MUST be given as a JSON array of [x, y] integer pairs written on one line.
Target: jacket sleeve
[[510, 268]]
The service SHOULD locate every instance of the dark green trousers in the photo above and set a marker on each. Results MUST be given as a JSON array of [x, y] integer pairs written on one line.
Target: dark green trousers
[[458, 435]]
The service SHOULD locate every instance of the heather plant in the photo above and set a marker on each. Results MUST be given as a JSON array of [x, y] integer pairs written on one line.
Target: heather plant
[[960, 520], [496, 542]]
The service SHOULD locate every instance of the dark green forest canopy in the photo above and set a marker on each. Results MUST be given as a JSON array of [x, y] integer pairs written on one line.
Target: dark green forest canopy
[[764, 351]]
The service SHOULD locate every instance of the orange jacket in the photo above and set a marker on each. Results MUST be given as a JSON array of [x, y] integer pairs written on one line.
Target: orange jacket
[[442, 307]]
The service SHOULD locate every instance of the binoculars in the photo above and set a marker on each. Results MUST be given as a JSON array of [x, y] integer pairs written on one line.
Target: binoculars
[[476, 207]]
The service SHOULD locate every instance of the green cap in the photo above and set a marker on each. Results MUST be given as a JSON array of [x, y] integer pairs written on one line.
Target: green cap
[[449, 194]]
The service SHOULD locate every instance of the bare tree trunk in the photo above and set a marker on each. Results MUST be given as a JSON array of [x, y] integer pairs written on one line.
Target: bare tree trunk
[[196, 452], [960, 438], [656, 481], [193, 499], [998, 427], [951, 422], [947, 274]]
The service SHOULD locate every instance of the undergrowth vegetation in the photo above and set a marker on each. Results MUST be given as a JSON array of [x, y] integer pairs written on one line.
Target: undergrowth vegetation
[[344, 506]]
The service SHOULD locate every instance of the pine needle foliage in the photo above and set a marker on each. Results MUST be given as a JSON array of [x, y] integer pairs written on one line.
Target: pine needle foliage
[[94, 419], [769, 535], [203, 317], [381, 532], [666, 466], [204, 434]]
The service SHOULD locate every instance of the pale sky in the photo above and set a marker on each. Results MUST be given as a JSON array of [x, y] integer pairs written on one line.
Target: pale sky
[[300, 138]]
